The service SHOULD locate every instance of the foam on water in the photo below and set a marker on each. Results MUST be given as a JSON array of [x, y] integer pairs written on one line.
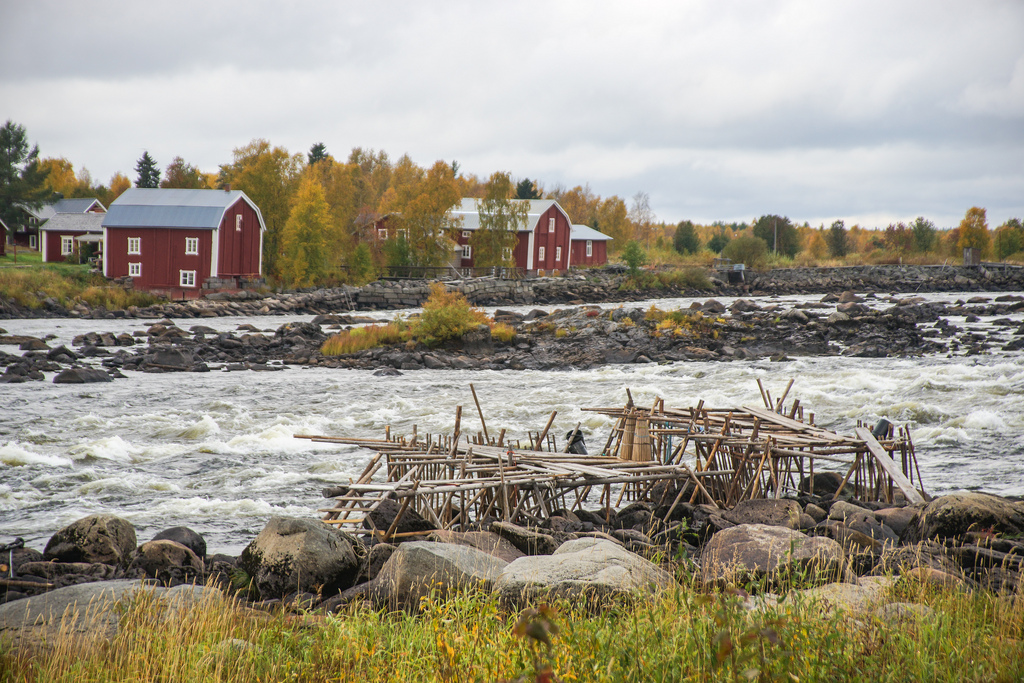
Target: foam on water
[[203, 427], [14, 454]]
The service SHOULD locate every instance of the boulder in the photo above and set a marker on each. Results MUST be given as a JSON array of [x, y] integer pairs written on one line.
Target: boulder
[[591, 569], [489, 542], [376, 558], [825, 483], [478, 341], [954, 515], [784, 513], [385, 513], [299, 555], [758, 551], [172, 359], [168, 562], [185, 536], [896, 519], [106, 539], [862, 597], [419, 567], [81, 376], [528, 542], [906, 558]]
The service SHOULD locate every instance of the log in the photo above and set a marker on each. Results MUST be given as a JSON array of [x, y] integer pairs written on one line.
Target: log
[[886, 463]]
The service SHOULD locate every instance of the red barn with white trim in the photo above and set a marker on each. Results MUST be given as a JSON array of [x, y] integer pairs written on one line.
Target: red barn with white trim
[[541, 245], [589, 247], [183, 243]]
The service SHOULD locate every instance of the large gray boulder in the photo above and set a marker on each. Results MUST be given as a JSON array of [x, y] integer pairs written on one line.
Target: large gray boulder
[[751, 552], [784, 513], [417, 568], [97, 538], [488, 542], [527, 541], [168, 562], [591, 569], [954, 515], [299, 555], [81, 376], [85, 611]]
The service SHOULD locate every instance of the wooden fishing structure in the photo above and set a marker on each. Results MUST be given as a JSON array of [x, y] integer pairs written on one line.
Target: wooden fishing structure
[[715, 456]]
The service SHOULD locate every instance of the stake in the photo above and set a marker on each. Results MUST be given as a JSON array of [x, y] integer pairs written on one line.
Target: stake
[[475, 400]]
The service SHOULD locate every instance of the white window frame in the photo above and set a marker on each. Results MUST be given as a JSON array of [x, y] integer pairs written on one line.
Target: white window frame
[[134, 245], [382, 233], [33, 242], [402, 233], [238, 222], [187, 278], [67, 245], [467, 251], [192, 246], [551, 225], [558, 254], [540, 255], [507, 252], [134, 270], [590, 248], [465, 234]]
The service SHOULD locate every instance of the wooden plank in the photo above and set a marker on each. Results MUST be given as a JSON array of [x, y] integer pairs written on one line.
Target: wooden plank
[[887, 464]]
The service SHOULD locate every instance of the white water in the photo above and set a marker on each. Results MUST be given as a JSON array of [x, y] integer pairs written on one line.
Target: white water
[[216, 451]]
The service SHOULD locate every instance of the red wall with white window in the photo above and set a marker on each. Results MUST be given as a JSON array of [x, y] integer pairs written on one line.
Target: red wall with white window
[[162, 257], [239, 242], [599, 253], [51, 243], [555, 242]]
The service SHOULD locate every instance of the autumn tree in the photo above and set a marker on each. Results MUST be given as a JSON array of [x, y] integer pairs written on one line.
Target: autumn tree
[[268, 176], [580, 204], [119, 182], [613, 220], [427, 216], [752, 251], [304, 238], [686, 240], [527, 189], [1008, 239], [899, 238], [778, 233], [147, 173], [22, 181], [501, 219], [974, 231], [180, 174], [836, 240], [924, 234]]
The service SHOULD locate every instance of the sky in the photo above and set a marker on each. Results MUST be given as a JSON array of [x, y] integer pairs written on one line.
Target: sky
[[870, 111]]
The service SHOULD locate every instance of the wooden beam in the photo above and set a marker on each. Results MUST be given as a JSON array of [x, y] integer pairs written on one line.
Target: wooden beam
[[887, 464]]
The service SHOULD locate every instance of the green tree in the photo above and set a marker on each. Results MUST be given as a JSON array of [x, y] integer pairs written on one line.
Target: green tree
[[718, 242], [837, 240], [22, 180], [527, 189], [148, 175], [318, 152], [1008, 239], [268, 176], [974, 231], [924, 234], [304, 238], [686, 240], [634, 256], [360, 265], [397, 252], [183, 175], [501, 219], [778, 233], [752, 251]]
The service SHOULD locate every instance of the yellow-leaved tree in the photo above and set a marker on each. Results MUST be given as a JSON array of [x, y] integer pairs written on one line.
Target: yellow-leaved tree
[[304, 238], [501, 219], [427, 216], [974, 231]]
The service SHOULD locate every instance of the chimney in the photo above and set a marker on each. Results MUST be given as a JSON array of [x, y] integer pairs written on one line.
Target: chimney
[[227, 187]]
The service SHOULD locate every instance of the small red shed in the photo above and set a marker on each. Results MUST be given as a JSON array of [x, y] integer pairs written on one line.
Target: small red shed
[[183, 243], [589, 247]]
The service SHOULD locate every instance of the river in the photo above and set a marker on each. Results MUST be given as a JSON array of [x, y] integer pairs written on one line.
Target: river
[[216, 451]]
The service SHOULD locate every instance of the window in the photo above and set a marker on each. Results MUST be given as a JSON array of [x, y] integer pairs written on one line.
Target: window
[[467, 252], [465, 233], [540, 254], [382, 233], [507, 253], [402, 234], [67, 245], [551, 225], [32, 243], [590, 248], [134, 245], [558, 254], [238, 222], [188, 278], [192, 245], [134, 270]]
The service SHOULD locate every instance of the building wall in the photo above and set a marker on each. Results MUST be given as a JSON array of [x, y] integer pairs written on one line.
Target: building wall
[[551, 240], [599, 253], [163, 257], [239, 251], [49, 243]]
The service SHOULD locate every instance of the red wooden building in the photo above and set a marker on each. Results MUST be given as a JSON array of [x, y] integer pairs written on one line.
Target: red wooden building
[[183, 243], [542, 245], [28, 234], [66, 236], [589, 247]]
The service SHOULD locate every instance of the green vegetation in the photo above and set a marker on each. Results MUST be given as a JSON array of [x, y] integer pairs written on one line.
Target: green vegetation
[[368, 337], [32, 283], [679, 634]]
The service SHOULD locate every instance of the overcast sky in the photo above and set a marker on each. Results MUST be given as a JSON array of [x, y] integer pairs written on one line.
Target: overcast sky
[[867, 111]]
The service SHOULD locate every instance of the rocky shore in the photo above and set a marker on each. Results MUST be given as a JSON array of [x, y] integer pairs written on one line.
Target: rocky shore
[[847, 553]]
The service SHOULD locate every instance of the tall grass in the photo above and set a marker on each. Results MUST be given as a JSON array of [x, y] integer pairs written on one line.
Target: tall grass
[[66, 284], [679, 634], [368, 337]]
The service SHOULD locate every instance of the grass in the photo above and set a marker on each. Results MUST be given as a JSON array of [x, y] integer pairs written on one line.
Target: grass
[[29, 283], [678, 634]]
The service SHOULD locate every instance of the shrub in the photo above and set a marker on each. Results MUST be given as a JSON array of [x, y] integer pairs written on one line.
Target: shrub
[[446, 315], [687, 278], [752, 251], [560, 333], [634, 256], [361, 338], [503, 332]]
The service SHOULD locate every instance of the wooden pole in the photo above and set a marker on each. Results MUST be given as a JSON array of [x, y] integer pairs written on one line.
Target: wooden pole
[[478, 410], [540, 439]]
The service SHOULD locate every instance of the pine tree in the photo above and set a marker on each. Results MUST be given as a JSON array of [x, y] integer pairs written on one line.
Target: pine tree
[[318, 152], [22, 179], [149, 173]]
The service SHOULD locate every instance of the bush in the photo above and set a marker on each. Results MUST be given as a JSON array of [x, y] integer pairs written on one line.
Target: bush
[[752, 251], [361, 338], [502, 332], [634, 256], [446, 315], [687, 278]]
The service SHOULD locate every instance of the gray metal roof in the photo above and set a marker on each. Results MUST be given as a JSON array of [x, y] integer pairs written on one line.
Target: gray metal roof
[[469, 210], [173, 208], [585, 232], [88, 222], [75, 205]]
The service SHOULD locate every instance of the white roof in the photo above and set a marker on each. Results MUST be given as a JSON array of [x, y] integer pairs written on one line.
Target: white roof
[[585, 232], [469, 211]]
